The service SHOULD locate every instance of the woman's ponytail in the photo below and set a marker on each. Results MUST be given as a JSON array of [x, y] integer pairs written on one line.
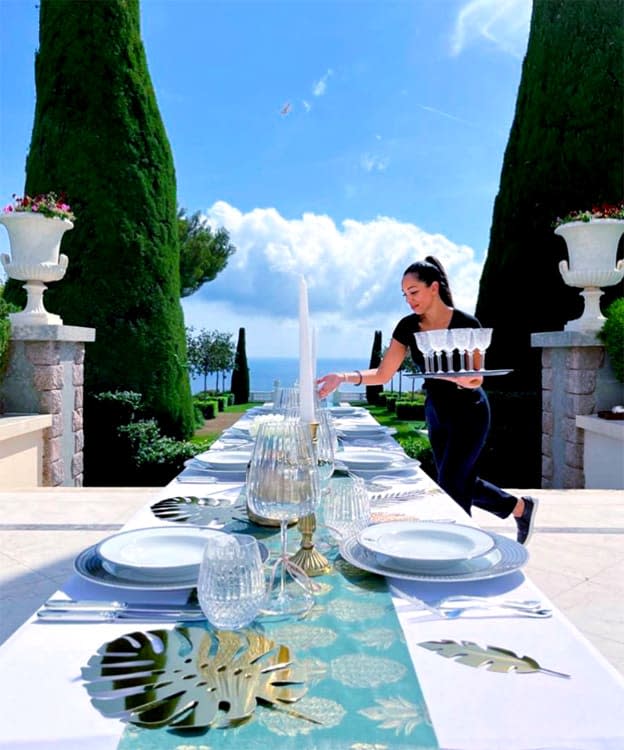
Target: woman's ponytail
[[445, 289]]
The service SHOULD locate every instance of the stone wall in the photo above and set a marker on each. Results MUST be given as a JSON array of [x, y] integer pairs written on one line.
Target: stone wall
[[577, 379], [46, 376]]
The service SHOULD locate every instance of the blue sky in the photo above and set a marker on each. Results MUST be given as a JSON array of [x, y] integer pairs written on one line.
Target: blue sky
[[338, 139]]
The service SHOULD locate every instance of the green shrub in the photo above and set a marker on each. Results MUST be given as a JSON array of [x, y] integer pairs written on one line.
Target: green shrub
[[208, 406], [391, 400], [612, 334], [156, 458], [5, 332], [410, 410], [418, 447]]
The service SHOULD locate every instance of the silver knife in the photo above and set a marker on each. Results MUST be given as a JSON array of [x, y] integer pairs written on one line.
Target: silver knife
[[110, 615], [102, 606]]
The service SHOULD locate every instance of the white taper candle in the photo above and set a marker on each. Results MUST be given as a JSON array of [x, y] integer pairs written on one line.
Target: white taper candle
[[306, 377]]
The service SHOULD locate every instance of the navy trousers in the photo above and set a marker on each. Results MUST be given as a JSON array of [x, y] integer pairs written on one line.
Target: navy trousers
[[458, 427]]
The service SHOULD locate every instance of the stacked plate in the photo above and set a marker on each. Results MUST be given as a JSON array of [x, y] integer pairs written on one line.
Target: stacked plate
[[234, 460], [433, 551], [227, 465], [162, 553], [370, 462], [346, 411], [366, 459]]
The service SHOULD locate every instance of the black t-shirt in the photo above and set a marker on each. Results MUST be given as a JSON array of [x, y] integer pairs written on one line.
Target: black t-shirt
[[404, 334]]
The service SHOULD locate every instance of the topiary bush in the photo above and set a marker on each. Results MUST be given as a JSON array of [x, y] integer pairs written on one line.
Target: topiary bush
[[612, 334], [207, 406], [410, 409], [391, 400]]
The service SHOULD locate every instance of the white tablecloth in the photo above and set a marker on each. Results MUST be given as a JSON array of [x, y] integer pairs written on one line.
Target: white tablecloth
[[44, 705]]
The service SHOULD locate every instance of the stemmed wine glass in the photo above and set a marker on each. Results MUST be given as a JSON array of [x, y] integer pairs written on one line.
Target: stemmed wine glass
[[287, 401], [481, 338], [422, 342], [462, 341], [283, 484], [325, 447], [437, 339]]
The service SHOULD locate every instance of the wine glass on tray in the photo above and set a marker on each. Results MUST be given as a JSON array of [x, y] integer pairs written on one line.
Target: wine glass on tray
[[422, 342], [462, 339], [438, 339], [283, 485], [481, 339]]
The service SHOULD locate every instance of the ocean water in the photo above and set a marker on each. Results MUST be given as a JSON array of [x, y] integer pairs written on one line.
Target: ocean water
[[264, 371]]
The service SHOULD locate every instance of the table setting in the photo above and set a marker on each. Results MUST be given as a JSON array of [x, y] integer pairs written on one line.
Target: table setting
[[311, 591]]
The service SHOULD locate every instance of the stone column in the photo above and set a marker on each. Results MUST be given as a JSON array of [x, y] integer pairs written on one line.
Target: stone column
[[45, 376], [577, 379]]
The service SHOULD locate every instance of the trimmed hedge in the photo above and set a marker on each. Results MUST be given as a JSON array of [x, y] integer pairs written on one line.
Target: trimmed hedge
[[208, 407], [410, 410]]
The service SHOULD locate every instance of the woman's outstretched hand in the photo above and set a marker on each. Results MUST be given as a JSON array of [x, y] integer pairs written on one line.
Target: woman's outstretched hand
[[328, 383]]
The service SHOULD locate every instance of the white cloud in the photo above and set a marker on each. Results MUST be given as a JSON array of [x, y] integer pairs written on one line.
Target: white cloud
[[319, 88], [353, 271], [373, 163], [503, 23], [306, 105]]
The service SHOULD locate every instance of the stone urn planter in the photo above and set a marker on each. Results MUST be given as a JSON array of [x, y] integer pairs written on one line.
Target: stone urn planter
[[35, 242], [592, 250]]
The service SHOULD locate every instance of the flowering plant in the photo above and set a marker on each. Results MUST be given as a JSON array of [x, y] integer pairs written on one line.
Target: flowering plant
[[46, 204], [602, 211]]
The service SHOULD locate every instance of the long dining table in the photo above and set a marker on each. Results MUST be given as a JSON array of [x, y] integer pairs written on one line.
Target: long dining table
[[575, 703]]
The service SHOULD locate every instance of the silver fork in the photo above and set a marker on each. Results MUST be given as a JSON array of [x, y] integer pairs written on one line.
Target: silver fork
[[449, 612]]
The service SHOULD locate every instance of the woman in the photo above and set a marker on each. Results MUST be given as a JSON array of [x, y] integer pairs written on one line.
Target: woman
[[457, 410]]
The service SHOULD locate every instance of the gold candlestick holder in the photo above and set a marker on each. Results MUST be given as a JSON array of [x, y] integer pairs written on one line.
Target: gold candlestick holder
[[307, 557]]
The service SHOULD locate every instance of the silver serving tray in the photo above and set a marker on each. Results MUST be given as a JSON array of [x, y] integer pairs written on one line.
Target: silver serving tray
[[465, 374]]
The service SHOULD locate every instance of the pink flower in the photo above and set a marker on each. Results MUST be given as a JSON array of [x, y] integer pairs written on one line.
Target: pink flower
[[8, 209]]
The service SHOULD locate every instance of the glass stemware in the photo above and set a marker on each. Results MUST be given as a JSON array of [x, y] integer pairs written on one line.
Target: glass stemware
[[481, 339], [462, 340], [423, 343], [283, 484], [437, 339], [287, 401], [325, 446]]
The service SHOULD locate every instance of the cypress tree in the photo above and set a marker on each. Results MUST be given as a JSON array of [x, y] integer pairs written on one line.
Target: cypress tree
[[564, 153], [373, 391], [240, 375], [98, 137]]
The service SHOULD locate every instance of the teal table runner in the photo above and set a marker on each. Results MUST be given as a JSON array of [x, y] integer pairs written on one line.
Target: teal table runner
[[360, 681]]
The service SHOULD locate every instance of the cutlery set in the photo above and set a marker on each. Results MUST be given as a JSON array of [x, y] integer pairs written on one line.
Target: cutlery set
[[449, 608], [453, 607]]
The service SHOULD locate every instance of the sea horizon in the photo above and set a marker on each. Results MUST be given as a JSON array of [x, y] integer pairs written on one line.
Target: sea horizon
[[264, 371]]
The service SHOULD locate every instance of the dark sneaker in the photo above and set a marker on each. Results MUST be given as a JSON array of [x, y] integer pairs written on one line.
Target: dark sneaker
[[527, 519]]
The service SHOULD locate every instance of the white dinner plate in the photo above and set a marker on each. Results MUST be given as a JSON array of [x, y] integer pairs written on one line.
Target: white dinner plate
[[88, 565], [344, 411], [224, 460], [163, 552], [506, 557], [398, 468], [425, 545], [366, 459]]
